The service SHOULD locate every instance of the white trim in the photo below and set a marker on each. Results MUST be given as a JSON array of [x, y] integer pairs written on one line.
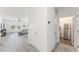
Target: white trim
[[75, 38]]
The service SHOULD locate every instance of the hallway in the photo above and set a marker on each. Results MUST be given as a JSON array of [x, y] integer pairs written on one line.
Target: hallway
[[16, 43], [64, 48], [66, 41]]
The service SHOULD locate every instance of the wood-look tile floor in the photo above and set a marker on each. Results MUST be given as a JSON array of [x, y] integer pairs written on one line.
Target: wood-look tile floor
[[16, 43], [64, 48], [66, 41]]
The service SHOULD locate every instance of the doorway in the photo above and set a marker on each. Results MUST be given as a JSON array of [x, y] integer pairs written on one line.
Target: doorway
[[66, 30]]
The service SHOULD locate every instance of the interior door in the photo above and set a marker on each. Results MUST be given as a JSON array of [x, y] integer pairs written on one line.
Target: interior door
[[76, 31]]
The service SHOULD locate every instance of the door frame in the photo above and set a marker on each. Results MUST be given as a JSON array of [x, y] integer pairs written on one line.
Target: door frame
[[75, 39], [74, 42]]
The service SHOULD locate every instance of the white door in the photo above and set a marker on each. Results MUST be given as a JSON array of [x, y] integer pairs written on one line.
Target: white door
[[76, 31]]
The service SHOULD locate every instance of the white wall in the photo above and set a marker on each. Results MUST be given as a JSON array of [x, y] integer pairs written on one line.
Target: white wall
[[14, 12], [52, 36], [67, 11], [38, 28]]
